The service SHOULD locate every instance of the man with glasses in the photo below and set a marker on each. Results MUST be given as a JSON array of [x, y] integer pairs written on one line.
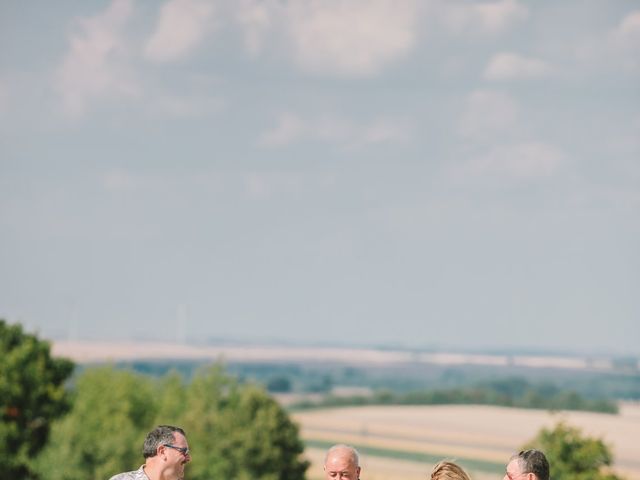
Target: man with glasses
[[342, 463], [166, 452], [527, 465]]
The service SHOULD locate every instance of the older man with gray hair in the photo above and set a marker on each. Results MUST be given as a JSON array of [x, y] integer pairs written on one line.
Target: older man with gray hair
[[342, 462], [527, 465], [166, 452]]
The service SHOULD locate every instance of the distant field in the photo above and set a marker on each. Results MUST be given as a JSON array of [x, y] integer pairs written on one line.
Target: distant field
[[481, 437], [384, 468], [103, 351]]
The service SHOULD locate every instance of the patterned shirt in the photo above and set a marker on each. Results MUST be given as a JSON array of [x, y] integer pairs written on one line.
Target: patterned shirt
[[135, 475]]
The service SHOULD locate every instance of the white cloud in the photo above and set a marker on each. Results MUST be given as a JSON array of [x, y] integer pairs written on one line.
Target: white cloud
[[289, 128], [384, 130], [256, 18], [630, 24], [520, 161], [483, 17], [93, 66], [511, 66], [181, 27], [626, 40], [488, 112], [351, 38], [292, 128]]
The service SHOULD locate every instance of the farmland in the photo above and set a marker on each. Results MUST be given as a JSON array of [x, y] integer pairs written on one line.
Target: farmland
[[403, 442]]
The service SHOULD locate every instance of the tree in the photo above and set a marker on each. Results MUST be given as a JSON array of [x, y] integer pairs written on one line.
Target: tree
[[279, 384], [32, 395], [234, 430], [238, 431], [103, 433], [573, 456]]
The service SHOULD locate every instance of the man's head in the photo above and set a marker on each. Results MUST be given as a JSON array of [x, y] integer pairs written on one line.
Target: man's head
[[528, 465], [166, 450], [342, 463]]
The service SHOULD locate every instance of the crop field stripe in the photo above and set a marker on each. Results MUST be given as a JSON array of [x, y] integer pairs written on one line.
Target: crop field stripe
[[467, 463]]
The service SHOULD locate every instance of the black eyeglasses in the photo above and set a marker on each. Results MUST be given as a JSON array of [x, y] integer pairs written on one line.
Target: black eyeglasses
[[182, 450]]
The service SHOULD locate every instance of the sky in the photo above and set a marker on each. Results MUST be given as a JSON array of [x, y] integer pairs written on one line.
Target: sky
[[434, 173]]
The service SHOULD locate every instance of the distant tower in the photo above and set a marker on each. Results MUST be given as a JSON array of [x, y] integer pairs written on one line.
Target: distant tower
[[72, 323], [182, 323]]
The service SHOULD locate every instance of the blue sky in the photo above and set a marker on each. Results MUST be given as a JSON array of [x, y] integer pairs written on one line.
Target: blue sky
[[425, 173]]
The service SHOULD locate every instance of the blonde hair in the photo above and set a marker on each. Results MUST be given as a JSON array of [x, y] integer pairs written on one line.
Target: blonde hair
[[446, 470]]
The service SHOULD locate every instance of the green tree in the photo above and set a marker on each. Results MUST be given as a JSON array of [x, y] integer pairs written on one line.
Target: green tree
[[279, 384], [238, 431], [574, 456], [234, 430], [172, 396], [32, 395], [104, 431]]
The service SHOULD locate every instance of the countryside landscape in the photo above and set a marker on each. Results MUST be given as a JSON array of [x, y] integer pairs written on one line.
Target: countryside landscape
[[403, 441]]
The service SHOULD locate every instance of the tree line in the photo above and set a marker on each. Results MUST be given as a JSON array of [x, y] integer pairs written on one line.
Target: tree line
[[511, 392]]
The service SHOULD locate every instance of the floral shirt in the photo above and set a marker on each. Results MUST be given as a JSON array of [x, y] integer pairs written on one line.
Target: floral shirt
[[135, 475]]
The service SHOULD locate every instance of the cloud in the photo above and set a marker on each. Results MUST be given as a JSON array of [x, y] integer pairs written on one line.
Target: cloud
[[93, 66], [292, 128], [350, 38], [289, 128], [511, 66], [256, 19], [182, 26], [520, 161], [488, 112], [626, 39], [630, 25], [483, 17]]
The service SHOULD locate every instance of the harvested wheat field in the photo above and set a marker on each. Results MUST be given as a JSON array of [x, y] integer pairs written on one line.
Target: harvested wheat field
[[402, 443]]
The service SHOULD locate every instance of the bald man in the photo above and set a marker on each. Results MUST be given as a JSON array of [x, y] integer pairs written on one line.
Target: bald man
[[342, 463]]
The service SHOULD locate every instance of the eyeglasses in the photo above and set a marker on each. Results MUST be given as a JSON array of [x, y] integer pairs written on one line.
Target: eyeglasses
[[182, 450]]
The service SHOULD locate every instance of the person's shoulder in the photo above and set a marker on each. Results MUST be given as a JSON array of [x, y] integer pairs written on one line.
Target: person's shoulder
[[125, 476], [133, 475]]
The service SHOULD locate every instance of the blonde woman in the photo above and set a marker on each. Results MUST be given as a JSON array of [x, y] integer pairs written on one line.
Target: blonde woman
[[446, 470]]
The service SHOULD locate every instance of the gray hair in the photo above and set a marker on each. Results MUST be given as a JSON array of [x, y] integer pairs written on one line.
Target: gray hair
[[353, 453], [159, 436], [533, 461]]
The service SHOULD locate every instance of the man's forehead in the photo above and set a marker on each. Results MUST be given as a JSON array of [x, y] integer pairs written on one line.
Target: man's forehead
[[513, 466], [179, 438], [340, 457]]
